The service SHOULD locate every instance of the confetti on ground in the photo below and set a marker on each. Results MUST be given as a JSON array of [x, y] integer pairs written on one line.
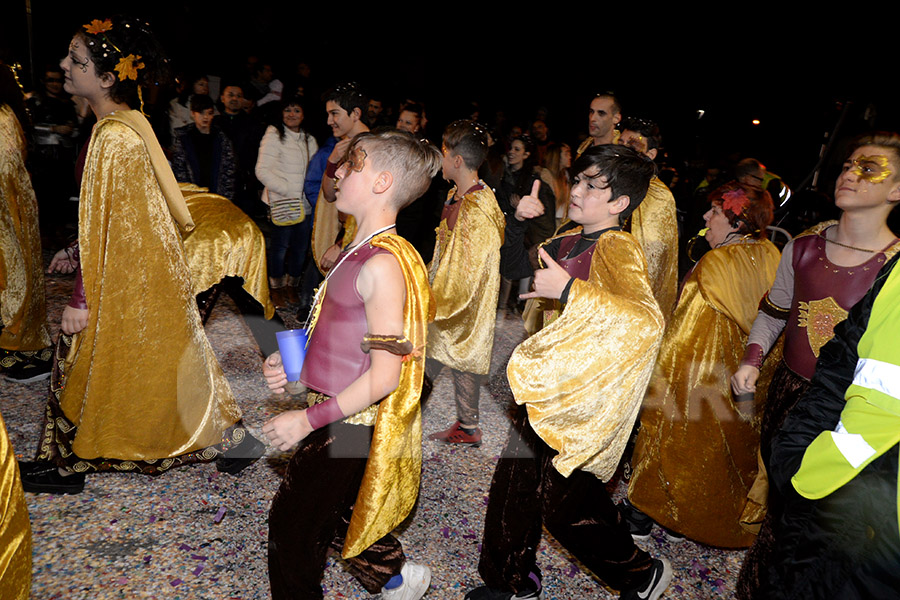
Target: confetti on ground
[[129, 536]]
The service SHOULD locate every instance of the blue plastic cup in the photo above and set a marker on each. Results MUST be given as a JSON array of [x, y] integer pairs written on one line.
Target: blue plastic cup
[[292, 345]]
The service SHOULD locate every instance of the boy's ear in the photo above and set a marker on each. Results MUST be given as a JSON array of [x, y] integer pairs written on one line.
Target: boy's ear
[[651, 153], [619, 205], [383, 182], [356, 114]]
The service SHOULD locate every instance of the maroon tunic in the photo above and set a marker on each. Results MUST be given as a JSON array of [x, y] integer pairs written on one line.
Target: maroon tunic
[[823, 295], [334, 358], [578, 266]]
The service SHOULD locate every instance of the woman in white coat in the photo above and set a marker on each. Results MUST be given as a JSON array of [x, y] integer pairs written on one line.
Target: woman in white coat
[[283, 157]]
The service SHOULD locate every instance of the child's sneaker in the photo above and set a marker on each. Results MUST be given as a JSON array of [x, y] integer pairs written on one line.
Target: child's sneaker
[[416, 579], [457, 435], [659, 579]]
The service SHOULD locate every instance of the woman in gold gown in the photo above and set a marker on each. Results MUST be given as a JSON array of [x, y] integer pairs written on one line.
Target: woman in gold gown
[[695, 456], [138, 387]]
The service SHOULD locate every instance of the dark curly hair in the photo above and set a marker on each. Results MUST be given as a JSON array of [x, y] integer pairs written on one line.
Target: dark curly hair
[[127, 36]]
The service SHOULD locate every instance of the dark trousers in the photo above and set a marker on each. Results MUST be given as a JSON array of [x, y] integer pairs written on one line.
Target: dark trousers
[[311, 512], [466, 391], [289, 248], [526, 491]]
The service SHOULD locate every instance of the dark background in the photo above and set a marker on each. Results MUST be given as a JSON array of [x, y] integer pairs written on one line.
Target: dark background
[[793, 71]]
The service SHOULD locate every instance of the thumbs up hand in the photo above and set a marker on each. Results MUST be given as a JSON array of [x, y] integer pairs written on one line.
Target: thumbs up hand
[[549, 282], [530, 206]]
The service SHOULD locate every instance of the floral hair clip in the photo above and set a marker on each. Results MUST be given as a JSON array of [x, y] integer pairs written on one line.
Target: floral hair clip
[[735, 202], [128, 66], [97, 26]]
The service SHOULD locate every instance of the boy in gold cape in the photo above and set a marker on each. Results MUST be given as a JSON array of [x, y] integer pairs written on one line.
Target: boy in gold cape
[[579, 382], [355, 476]]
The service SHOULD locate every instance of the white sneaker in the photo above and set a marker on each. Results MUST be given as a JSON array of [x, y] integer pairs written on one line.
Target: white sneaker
[[416, 579]]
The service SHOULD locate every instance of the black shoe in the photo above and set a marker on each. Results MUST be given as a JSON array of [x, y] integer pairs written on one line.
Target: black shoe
[[44, 478], [659, 579], [241, 456], [639, 524], [488, 593], [26, 367]]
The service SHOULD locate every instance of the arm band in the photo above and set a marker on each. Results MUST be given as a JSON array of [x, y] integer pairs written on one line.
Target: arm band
[[395, 344], [78, 299], [324, 413], [753, 356]]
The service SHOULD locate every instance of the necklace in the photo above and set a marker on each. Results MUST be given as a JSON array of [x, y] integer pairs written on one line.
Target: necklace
[[848, 245], [313, 316]]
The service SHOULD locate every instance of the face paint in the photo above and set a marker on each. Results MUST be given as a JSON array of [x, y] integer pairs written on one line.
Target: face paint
[[356, 160], [874, 169]]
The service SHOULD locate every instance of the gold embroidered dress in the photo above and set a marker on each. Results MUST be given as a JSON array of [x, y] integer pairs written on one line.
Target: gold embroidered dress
[[695, 456], [15, 528], [465, 280], [655, 226], [582, 377], [23, 310], [141, 380]]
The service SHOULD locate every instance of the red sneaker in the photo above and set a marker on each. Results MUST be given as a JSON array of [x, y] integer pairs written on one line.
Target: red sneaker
[[456, 435]]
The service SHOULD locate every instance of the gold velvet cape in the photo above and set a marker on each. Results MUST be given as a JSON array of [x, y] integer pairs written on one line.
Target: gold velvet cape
[[15, 528], [582, 377], [695, 457], [225, 243], [23, 309], [655, 226], [142, 381], [390, 484], [465, 279]]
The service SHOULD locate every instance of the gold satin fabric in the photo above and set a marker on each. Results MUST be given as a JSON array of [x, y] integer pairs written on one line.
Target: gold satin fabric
[[142, 381], [655, 226], [390, 484], [326, 226], [582, 377], [15, 528], [465, 279], [225, 243], [695, 457], [587, 143], [23, 309]]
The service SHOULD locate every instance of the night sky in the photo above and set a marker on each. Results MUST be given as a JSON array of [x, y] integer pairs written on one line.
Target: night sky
[[792, 71]]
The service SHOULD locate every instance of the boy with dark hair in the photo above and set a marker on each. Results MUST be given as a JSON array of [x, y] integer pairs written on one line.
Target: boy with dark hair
[[465, 278], [579, 382], [360, 456], [201, 152], [345, 105]]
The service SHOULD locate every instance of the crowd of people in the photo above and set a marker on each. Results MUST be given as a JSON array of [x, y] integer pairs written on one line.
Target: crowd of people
[[752, 405]]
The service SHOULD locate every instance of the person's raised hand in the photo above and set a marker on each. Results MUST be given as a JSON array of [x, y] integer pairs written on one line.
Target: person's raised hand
[[530, 206], [549, 282]]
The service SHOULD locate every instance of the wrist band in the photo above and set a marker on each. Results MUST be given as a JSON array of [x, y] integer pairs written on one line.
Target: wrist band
[[753, 356], [324, 413], [330, 169]]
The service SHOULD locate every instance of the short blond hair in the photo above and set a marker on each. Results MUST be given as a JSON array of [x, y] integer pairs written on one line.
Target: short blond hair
[[411, 162]]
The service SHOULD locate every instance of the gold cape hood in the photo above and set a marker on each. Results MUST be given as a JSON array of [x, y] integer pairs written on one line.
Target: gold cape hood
[[23, 310], [142, 381], [465, 278], [390, 484], [583, 376]]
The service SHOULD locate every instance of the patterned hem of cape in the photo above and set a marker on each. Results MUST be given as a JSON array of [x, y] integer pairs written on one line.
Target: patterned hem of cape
[[58, 435]]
